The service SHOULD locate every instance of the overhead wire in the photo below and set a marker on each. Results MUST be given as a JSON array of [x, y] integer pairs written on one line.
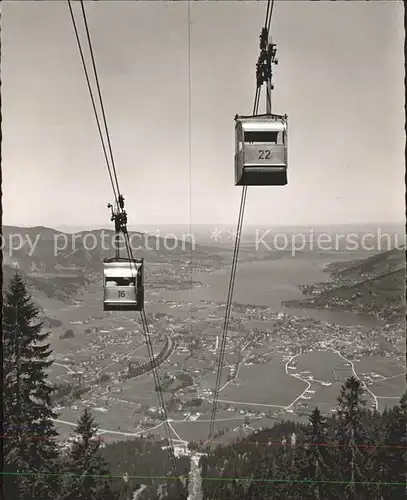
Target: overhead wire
[[190, 165], [88, 37], [78, 41], [267, 24], [227, 313], [154, 369], [116, 191], [115, 186]]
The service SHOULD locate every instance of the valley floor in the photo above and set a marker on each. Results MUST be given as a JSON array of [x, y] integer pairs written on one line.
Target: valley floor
[[278, 367]]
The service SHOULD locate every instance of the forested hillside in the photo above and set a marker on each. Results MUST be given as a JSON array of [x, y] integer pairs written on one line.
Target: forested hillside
[[374, 286]]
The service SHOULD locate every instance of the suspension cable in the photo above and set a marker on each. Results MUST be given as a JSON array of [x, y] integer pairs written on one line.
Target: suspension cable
[[159, 390], [117, 196], [78, 41], [227, 313], [99, 94], [154, 369], [264, 36]]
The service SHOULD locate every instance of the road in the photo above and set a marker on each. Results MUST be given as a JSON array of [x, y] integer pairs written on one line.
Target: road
[[376, 402], [139, 491], [137, 434], [282, 407], [308, 384], [195, 479], [64, 366]]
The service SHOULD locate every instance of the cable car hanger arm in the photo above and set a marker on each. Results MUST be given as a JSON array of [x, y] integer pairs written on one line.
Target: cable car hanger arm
[[120, 216]]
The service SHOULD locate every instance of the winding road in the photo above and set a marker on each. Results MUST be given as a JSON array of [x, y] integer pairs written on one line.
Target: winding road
[[309, 384], [282, 407], [195, 479]]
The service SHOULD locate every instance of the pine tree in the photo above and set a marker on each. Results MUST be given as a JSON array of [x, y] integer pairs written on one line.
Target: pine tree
[[263, 488], [289, 464], [318, 456], [351, 453], [394, 456], [176, 490], [29, 448], [85, 468], [377, 464]]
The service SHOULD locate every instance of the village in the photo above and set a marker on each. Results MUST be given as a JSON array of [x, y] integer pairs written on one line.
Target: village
[[258, 339]]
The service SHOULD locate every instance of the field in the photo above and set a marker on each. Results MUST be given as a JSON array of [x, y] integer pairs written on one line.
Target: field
[[140, 352], [269, 385], [120, 413], [138, 390], [382, 366], [56, 373], [198, 430], [390, 388], [110, 420], [321, 364], [177, 359], [383, 403], [208, 381], [265, 384], [325, 398]]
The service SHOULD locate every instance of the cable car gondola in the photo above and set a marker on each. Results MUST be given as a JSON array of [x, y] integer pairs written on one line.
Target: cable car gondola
[[261, 150], [123, 283]]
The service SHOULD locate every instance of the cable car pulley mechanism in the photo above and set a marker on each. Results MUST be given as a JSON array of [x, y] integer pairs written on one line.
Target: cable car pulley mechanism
[[123, 278], [261, 140]]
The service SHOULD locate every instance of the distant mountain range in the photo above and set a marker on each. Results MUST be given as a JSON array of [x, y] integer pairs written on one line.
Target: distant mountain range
[[180, 228], [44, 250], [375, 286], [372, 267], [47, 250], [59, 265]]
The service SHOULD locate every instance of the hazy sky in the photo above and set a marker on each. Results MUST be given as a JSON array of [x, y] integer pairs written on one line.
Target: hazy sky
[[339, 79]]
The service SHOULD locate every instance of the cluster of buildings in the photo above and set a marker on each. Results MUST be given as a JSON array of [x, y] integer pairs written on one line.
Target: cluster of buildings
[[197, 339]]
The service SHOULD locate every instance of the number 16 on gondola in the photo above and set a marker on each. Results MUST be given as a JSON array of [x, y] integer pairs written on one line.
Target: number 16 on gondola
[[123, 284]]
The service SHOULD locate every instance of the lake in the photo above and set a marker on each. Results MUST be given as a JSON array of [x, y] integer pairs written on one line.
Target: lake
[[269, 283]]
